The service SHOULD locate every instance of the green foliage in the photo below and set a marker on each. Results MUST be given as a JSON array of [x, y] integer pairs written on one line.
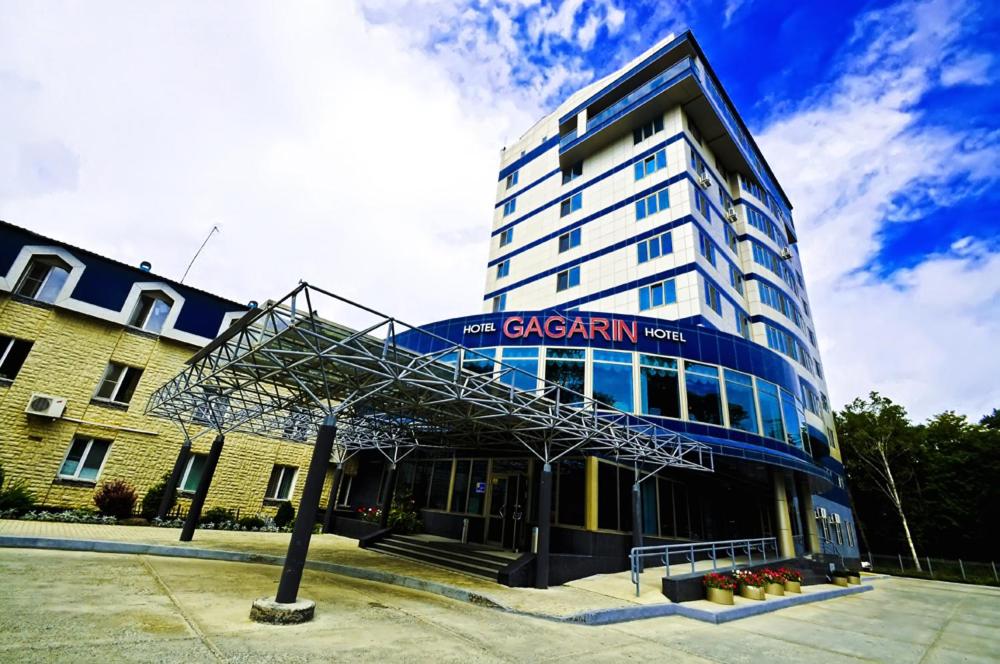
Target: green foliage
[[285, 514], [217, 516], [251, 522], [15, 497], [403, 515], [151, 501], [116, 498], [945, 471]]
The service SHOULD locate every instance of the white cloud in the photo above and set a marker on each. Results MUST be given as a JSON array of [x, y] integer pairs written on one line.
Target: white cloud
[[968, 69], [859, 155], [732, 6]]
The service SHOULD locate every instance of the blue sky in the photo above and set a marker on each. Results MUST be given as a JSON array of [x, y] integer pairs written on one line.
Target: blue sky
[[356, 144]]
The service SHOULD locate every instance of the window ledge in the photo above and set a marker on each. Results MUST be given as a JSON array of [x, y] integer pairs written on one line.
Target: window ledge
[[141, 332], [6, 382], [108, 403], [276, 501], [72, 481], [30, 301]]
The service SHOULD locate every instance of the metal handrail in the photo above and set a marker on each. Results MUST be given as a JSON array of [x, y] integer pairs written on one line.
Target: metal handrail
[[727, 547]]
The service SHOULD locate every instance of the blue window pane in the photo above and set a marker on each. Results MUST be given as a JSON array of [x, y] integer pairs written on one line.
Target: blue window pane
[[770, 410], [643, 299], [791, 419], [574, 277], [643, 257], [739, 396], [657, 295], [661, 159], [639, 171], [654, 249], [651, 205], [640, 210], [664, 198], [669, 292], [666, 244], [613, 385], [703, 394]]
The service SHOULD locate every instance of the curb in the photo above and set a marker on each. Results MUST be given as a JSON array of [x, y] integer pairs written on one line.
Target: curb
[[599, 617]]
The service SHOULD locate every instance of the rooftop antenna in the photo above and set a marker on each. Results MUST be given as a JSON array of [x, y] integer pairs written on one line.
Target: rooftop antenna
[[215, 229]]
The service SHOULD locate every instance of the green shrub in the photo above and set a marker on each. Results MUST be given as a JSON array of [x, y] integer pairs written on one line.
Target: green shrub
[[15, 497], [217, 516], [116, 498], [285, 515], [151, 501], [251, 523], [404, 518]]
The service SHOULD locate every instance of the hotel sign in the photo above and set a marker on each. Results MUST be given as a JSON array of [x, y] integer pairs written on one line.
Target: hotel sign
[[585, 329]]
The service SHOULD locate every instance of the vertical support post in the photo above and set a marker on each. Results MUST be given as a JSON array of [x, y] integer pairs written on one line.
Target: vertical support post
[[637, 517], [809, 515], [961, 567], [590, 506], [544, 517], [929, 568], [786, 545], [995, 577], [900, 556], [390, 489], [170, 490], [331, 504], [194, 514], [305, 518]]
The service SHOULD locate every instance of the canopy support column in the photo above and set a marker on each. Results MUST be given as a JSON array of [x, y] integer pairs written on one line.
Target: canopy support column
[[637, 515], [544, 527], [198, 502], [786, 545], [390, 489], [170, 490]]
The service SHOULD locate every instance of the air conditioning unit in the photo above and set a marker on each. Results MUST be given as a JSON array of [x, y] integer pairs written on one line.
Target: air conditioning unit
[[705, 181], [786, 254], [731, 216], [46, 405]]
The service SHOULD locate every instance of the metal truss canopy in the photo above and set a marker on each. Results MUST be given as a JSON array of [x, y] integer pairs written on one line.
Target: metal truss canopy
[[281, 369]]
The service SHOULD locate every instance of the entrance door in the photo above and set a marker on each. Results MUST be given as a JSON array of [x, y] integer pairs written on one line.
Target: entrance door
[[508, 506]]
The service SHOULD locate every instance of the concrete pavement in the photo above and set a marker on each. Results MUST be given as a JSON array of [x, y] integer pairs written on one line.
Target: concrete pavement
[[82, 607]]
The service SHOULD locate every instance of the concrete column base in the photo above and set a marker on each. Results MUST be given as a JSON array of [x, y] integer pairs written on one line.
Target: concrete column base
[[266, 610]]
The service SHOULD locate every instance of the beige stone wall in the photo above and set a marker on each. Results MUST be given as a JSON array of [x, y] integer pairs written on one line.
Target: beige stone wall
[[68, 359]]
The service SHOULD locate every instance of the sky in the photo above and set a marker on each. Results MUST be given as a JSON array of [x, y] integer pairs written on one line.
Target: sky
[[355, 145]]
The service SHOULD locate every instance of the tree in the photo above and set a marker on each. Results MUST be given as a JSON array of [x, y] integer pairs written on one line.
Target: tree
[[878, 436], [991, 421]]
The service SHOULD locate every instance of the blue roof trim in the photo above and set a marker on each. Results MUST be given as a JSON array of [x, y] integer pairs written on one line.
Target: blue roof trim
[[106, 283]]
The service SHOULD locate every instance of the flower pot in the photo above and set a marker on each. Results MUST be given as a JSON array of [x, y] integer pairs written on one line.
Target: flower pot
[[840, 581], [854, 579], [719, 595], [752, 592], [775, 589], [793, 586]]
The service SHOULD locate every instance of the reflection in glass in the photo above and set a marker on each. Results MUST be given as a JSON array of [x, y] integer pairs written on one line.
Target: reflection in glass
[[739, 397], [480, 360], [565, 366], [703, 393], [613, 379], [770, 410], [526, 361], [792, 422], [659, 389]]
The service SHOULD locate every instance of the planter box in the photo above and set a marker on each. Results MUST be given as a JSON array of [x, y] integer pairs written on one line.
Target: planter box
[[719, 595], [775, 589], [793, 587], [752, 592], [840, 581], [854, 579]]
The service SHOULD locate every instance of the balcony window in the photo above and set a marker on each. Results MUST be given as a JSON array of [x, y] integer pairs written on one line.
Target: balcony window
[[639, 134], [43, 280]]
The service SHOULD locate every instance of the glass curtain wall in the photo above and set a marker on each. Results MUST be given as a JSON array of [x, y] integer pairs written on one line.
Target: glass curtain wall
[[524, 359], [704, 395], [659, 386], [566, 367], [739, 400], [613, 379]]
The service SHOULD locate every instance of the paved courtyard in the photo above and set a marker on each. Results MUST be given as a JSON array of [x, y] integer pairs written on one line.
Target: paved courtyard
[[90, 607]]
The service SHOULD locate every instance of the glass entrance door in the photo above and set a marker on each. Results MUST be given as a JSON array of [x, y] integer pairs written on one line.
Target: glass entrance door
[[508, 507]]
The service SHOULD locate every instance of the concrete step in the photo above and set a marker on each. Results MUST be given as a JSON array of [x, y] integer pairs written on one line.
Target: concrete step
[[454, 548], [440, 559]]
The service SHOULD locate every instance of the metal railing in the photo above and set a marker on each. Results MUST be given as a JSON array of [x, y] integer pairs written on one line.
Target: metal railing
[[689, 553], [940, 569]]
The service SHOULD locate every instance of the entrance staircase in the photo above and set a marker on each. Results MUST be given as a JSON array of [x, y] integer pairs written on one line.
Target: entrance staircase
[[473, 559]]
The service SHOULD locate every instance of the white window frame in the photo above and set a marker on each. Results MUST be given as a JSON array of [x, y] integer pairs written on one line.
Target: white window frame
[[83, 457], [29, 253], [277, 485], [187, 471], [154, 295], [115, 392]]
